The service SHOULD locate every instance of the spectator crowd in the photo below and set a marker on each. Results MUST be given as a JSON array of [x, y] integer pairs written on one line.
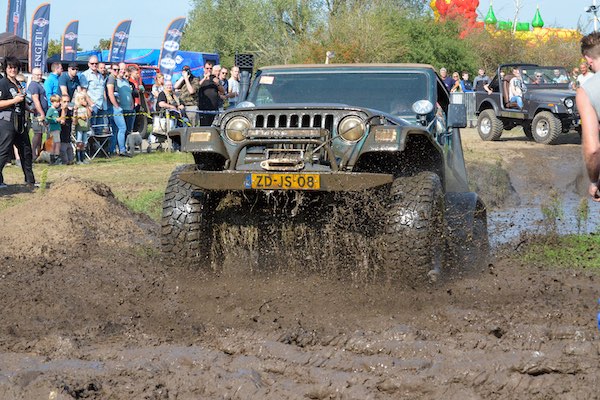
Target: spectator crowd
[[67, 108]]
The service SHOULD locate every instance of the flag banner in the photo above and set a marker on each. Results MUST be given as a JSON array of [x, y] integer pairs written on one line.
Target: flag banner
[[167, 61], [69, 42], [15, 17], [118, 44], [38, 44]]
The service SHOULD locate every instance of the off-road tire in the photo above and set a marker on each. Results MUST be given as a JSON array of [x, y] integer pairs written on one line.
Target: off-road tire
[[489, 126], [546, 128], [186, 226], [414, 232]]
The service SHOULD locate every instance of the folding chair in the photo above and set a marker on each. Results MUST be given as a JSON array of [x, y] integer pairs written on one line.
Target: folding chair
[[98, 143], [162, 123]]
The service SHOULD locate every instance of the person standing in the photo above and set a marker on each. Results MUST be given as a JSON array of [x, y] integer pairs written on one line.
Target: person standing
[[40, 106], [588, 104], [481, 80], [448, 81], [69, 81], [189, 85], [51, 84], [465, 84], [584, 75], [208, 96], [116, 111], [12, 121], [157, 87], [93, 85], [234, 86], [54, 120]]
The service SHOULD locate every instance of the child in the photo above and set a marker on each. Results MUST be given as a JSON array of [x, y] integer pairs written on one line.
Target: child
[[53, 118], [81, 116], [66, 121]]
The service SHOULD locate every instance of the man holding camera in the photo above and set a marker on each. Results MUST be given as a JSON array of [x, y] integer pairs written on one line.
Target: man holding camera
[[189, 85], [12, 121]]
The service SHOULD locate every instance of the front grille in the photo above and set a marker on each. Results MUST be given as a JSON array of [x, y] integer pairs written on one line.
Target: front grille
[[294, 120]]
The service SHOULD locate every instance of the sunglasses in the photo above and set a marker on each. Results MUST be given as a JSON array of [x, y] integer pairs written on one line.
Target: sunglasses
[[93, 63]]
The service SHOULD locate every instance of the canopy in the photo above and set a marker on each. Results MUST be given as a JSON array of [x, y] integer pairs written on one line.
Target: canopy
[[13, 45]]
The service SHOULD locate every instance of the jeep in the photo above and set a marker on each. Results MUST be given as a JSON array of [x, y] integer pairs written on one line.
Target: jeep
[[336, 129], [548, 110]]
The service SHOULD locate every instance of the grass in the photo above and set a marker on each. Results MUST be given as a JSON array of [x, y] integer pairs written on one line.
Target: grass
[[571, 251], [139, 182]]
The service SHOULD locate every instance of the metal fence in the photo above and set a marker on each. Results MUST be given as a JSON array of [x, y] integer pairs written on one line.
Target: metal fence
[[468, 99]]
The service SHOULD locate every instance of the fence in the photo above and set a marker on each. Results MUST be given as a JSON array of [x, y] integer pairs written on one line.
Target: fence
[[468, 99]]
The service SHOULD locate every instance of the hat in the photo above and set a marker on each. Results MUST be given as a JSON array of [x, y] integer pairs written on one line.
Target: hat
[[74, 65]]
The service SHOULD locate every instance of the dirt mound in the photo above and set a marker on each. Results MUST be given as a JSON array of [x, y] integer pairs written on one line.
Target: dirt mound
[[72, 214]]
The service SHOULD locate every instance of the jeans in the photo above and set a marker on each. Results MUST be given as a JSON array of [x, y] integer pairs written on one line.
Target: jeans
[[119, 129], [129, 120], [98, 121], [518, 100]]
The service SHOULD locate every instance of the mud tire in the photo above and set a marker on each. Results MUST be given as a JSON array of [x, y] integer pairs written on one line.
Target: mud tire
[[489, 126], [186, 225], [546, 128], [414, 232]]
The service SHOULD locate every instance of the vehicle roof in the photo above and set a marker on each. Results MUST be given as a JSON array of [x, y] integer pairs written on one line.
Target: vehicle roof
[[347, 66]]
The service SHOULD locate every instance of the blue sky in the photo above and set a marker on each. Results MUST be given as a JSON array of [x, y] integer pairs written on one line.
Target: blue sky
[[151, 17]]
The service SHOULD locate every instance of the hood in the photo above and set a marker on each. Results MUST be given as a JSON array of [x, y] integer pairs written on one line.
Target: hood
[[549, 95]]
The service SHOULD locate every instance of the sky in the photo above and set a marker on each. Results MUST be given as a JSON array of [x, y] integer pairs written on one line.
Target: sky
[[98, 18]]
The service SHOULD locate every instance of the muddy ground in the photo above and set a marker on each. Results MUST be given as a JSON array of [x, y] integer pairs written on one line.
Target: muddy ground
[[91, 310]]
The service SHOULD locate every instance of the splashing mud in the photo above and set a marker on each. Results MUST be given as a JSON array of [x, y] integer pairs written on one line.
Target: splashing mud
[[91, 310]]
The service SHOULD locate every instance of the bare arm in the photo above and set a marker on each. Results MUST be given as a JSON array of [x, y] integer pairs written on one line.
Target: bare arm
[[38, 105], [590, 143], [10, 102], [111, 95]]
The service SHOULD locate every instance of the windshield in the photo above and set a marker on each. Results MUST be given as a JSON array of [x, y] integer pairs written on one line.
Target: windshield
[[390, 92], [544, 76]]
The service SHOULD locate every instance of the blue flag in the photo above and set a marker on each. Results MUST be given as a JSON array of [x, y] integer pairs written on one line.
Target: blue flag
[[118, 44], [38, 44], [168, 52], [69, 42], [15, 17]]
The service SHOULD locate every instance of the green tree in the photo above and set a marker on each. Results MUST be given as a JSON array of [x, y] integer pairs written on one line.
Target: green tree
[[103, 44], [54, 47]]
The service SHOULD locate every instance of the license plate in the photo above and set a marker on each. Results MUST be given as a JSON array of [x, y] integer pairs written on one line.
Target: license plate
[[283, 181]]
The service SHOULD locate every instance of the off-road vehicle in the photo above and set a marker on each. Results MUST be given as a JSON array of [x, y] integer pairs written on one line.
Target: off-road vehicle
[[548, 110], [330, 130]]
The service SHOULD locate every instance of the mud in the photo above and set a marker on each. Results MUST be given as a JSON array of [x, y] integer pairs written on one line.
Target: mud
[[91, 310]]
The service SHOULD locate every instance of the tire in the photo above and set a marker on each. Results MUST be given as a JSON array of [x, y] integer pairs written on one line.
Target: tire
[[489, 126], [546, 128], [186, 226], [414, 231], [528, 131]]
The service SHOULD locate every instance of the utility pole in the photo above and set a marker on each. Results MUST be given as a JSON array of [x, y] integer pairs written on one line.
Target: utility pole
[[593, 9]]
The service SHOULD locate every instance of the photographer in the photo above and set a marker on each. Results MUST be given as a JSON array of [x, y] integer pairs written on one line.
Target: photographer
[[189, 85], [12, 121]]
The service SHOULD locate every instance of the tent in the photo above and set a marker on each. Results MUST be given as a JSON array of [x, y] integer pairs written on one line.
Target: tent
[[13, 45]]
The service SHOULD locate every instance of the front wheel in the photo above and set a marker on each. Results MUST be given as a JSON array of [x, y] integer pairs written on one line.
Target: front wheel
[[414, 234], [489, 126], [186, 227], [546, 128]]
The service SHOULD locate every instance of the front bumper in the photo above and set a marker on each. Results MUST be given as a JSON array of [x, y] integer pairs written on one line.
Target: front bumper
[[330, 181]]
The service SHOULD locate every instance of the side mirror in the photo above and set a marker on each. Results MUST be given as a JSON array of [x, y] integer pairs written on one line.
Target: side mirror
[[457, 116]]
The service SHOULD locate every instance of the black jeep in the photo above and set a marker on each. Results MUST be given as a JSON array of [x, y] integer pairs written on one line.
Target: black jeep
[[548, 110], [328, 131]]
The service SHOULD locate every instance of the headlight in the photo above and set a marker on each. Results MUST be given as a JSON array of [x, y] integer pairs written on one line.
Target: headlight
[[351, 128], [236, 128], [422, 107], [569, 103]]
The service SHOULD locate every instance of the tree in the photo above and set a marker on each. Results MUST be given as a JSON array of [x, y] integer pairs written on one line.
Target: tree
[[54, 47], [103, 44]]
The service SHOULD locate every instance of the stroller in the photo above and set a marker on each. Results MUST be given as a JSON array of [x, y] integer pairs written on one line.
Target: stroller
[[162, 123]]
